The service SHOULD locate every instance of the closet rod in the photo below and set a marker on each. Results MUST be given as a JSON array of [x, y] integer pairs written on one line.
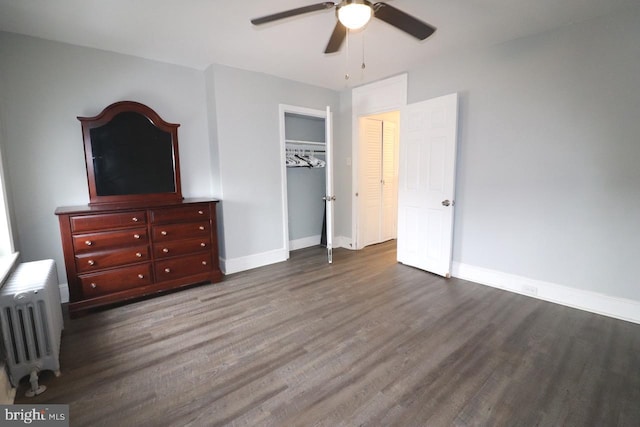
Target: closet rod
[[292, 141], [318, 152]]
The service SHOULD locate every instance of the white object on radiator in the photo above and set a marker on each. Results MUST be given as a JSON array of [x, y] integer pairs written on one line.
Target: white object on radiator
[[31, 320]]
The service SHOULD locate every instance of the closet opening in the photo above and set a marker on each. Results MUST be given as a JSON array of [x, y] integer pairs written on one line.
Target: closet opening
[[304, 157]]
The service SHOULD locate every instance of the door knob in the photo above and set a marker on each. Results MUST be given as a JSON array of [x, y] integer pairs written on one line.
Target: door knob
[[446, 203]]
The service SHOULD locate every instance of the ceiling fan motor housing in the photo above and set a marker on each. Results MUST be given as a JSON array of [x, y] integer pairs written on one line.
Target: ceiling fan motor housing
[[354, 14]]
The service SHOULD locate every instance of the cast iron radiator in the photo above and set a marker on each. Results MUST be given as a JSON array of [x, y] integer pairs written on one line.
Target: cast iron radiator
[[31, 319]]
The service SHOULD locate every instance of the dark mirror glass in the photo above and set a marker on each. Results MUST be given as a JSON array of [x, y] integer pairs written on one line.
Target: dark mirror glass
[[132, 156]]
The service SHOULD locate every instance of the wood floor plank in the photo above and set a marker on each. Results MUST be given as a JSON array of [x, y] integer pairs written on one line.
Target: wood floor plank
[[364, 341]]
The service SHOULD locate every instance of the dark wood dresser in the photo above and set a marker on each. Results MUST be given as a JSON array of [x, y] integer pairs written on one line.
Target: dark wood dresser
[[117, 252]]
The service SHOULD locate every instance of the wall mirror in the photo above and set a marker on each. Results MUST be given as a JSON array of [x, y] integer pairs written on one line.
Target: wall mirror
[[131, 155]]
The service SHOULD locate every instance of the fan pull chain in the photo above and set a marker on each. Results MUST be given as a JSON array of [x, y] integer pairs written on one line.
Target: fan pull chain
[[363, 66], [346, 55]]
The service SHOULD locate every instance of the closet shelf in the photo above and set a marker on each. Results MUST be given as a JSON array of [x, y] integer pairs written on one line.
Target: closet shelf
[[293, 141]]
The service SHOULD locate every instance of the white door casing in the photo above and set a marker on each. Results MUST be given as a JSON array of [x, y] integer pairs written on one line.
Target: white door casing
[[389, 181], [374, 98], [427, 183]]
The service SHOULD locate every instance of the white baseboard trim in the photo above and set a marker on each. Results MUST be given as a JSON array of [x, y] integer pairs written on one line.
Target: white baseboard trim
[[235, 265], [305, 242], [619, 308]]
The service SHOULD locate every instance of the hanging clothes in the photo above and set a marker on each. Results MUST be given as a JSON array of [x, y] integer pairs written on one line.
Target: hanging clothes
[[296, 158]]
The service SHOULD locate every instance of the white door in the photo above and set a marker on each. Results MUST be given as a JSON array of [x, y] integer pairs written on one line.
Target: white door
[[426, 184], [370, 182], [329, 198], [377, 186]]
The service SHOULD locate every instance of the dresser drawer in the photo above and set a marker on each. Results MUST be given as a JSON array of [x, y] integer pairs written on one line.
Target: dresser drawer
[[106, 282], [162, 233], [82, 223], [197, 212], [175, 268], [173, 248], [98, 260], [90, 242]]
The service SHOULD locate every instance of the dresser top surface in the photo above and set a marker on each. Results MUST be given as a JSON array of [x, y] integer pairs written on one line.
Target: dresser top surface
[[63, 210]]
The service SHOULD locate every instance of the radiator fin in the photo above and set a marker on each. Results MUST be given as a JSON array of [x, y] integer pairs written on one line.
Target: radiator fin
[[42, 308], [12, 331], [23, 334]]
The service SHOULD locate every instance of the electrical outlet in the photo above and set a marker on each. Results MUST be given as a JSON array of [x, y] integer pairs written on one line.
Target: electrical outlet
[[530, 289]]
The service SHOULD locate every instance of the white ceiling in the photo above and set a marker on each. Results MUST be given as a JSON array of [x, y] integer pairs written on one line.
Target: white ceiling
[[197, 33]]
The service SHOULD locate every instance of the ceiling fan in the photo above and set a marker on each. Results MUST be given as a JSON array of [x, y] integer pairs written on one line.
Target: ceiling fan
[[355, 14]]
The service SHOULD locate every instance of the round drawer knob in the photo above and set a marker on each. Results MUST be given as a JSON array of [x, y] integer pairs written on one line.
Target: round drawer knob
[[204, 262], [164, 233], [203, 244], [140, 276], [165, 250], [201, 212], [138, 254], [167, 270], [136, 236], [91, 262], [88, 242], [93, 286], [134, 219], [201, 227]]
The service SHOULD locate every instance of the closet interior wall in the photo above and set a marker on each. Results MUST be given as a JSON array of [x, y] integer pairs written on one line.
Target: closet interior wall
[[306, 185]]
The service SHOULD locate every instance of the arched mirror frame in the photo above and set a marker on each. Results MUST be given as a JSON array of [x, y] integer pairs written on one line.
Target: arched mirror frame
[[89, 123]]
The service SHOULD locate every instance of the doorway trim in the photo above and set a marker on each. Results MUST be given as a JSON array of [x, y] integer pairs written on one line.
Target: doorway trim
[[282, 110], [375, 98]]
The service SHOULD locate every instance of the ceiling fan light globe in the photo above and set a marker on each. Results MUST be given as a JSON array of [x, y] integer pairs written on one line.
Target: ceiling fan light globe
[[355, 15]]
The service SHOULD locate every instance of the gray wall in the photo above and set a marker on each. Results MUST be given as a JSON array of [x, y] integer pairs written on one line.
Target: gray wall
[[305, 189], [212, 119], [549, 154], [304, 128], [6, 219], [45, 85], [343, 171], [248, 138]]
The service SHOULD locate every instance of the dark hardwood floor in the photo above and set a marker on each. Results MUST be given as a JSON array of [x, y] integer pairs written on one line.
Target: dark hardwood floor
[[365, 341]]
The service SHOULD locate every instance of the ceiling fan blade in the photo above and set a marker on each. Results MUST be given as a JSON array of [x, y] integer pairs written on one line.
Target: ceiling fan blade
[[337, 37], [293, 12], [403, 21]]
